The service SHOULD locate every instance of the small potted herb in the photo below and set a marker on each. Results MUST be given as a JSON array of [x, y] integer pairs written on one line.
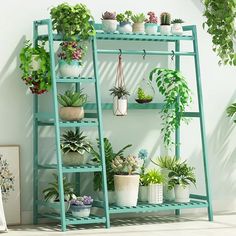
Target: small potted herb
[[72, 105], [125, 22], [109, 22], [177, 28], [120, 100], [74, 146], [151, 23], [81, 206], [138, 23], [70, 58], [165, 27]]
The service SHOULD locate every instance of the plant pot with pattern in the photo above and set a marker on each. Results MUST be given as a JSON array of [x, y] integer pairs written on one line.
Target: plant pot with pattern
[[138, 23], [177, 28], [125, 22], [120, 100], [51, 194], [109, 22], [165, 27], [151, 25], [72, 105], [74, 148]]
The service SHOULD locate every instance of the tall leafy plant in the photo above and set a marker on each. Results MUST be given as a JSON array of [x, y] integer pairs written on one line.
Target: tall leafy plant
[[177, 96]]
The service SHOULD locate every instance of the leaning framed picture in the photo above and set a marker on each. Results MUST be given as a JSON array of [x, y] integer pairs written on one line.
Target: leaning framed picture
[[10, 183]]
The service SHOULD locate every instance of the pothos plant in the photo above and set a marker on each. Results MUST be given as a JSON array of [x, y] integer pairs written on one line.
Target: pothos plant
[[177, 96], [220, 21]]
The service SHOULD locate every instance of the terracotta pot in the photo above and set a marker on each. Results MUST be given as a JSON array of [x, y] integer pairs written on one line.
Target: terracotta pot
[[71, 113], [138, 28], [73, 159]]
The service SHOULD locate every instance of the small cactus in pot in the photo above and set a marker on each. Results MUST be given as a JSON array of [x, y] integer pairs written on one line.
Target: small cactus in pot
[[109, 22], [165, 27]]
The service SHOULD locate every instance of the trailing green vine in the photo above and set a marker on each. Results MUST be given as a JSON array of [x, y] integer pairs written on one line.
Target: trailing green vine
[[220, 20], [174, 87]]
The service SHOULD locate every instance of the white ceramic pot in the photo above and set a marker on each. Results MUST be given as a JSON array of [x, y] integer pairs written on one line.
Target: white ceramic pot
[[165, 29], [155, 193], [168, 195], [74, 159], [120, 106], [71, 113], [126, 189], [177, 29], [181, 193], [111, 196], [72, 69], [151, 28], [35, 63], [56, 207], [80, 211], [143, 193], [125, 27], [109, 26], [138, 28]]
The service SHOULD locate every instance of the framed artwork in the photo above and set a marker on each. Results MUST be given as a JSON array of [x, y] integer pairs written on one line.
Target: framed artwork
[[10, 183]]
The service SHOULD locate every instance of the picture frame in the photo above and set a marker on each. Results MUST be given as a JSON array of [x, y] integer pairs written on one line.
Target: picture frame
[[10, 182]]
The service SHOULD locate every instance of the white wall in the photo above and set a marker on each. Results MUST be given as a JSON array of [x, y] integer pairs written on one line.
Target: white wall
[[143, 126]]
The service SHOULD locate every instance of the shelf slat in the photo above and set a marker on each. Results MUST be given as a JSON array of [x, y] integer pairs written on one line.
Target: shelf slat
[[75, 80]]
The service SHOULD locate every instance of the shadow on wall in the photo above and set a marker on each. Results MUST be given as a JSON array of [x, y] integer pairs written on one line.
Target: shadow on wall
[[199, 5]]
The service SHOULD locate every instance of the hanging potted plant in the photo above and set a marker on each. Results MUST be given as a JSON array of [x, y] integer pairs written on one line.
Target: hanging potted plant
[[35, 67], [151, 23], [120, 100], [72, 105], [125, 22], [74, 147], [181, 176], [126, 180], [109, 22], [70, 58], [51, 194], [81, 206], [177, 28], [72, 21], [165, 27], [138, 23]]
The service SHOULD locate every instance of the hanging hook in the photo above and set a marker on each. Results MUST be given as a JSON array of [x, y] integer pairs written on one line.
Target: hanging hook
[[173, 55], [120, 52], [144, 54]]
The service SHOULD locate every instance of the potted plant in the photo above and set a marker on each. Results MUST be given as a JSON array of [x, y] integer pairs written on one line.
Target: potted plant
[[35, 67], [109, 156], [81, 206], [70, 58], [109, 22], [165, 27], [155, 180], [177, 28], [142, 97], [151, 23], [51, 194], [72, 21], [124, 20], [181, 176], [172, 84], [74, 146], [72, 105], [138, 23], [120, 100], [126, 180]]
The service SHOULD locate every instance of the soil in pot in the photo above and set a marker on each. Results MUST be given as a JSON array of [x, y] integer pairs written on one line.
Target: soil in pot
[[143, 100]]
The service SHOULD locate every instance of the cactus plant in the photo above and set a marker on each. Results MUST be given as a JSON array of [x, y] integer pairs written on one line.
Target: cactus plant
[[109, 15], [165, 18], [72, 99]]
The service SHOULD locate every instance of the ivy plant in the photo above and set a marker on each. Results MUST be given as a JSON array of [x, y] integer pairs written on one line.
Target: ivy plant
[[72, 21], [177, 96], [220, 16]]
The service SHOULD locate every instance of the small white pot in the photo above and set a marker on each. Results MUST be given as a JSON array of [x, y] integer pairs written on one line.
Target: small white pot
[[165, 29], [74, 159], [168, 195], [80, 211], [181, 193], [138, 28], [143, 193], [109, 26], [35, 63], [56, 208], [155, 193], [177, 29], [125, 27], [71, 113], [126, 189], [151, 28], [111, 196], [72, 69], [120, 106]]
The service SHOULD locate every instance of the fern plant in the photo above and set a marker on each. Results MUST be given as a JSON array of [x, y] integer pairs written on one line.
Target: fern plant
[[231, 110], [72, 99], [119, 92]]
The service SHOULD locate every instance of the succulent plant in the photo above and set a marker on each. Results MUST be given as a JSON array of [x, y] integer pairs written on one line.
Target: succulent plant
[[152, 18], [125, 165], [119, 92], [165, 18], [124, 17], [138, 18], [177, 21], [74, 141], [142, 95], [109, 15], [72, 99]]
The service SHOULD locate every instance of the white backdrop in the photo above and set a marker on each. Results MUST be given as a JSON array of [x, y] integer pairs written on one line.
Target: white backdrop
[[140, 128]]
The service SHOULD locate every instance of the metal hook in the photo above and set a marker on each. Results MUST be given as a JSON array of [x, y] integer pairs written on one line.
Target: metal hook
[[144, 54], [173, 55], [120, 52]]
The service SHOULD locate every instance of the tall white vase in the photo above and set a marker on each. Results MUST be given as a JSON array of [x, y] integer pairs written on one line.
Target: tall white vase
[[155, 193]]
